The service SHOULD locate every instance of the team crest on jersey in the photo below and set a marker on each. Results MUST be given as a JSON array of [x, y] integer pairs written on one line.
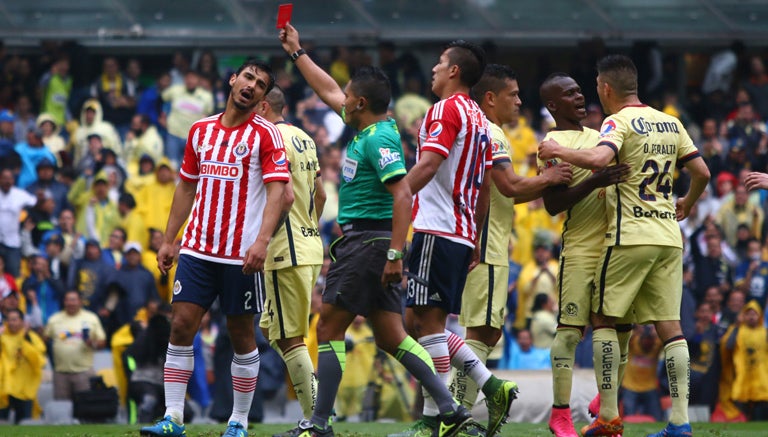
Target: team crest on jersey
[[241, 149], [387, 157], [608, 127], [279, 158], [176, 287], [435, 129], [572, 309]]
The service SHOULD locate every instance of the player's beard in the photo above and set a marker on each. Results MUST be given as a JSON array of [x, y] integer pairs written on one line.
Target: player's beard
[[240, 106]]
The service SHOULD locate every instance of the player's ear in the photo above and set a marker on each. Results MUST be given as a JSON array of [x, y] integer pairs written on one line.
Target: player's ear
[[232, 79], [551, 106]]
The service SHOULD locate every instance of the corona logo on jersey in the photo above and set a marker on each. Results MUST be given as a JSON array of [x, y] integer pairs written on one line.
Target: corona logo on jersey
[[220, 170], [608, 127], [643, 127], [435, 129]]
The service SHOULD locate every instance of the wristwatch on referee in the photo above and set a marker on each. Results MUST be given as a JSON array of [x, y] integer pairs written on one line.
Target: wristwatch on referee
[[295, 55], [394, 255]]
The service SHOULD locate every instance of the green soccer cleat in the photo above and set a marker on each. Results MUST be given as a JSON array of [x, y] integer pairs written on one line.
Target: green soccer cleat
[[498, 405]]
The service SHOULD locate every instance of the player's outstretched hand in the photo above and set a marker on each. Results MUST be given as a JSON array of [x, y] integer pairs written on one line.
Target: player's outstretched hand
[[165, 257], [756, 180], [612, 175], [682, 209], [559, 174], [548, 149], [254, 258], [289, 38]]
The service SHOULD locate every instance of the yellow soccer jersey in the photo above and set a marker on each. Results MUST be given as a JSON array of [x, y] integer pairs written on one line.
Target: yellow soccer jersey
[[298, 242], [494, 241], [641, 211], [585, 222]]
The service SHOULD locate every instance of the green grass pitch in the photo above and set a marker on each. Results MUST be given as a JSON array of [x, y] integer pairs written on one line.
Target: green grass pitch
[[753, 429]]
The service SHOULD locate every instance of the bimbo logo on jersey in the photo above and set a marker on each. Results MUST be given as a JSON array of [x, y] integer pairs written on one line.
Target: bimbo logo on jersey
[[643, 127], [435, 129], [220, 170], [608, 127]]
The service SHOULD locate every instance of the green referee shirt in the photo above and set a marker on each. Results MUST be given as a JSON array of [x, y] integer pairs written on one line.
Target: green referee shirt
[[373, 157]]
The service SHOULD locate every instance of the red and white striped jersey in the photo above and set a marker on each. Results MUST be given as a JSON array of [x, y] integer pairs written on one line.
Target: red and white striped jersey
[[455, 128], [231, 167]]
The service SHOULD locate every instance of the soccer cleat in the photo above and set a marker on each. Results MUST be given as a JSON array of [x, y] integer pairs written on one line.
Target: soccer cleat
[[683, 430], [165, 428], [601, 428], [235, 429], [302, 426], [561, 423], [498, 405], [594, 406], [452, 424], [421, 428], [315, 431]]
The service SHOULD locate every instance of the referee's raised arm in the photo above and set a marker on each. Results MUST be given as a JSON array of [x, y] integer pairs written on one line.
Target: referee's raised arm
[[320, 81]]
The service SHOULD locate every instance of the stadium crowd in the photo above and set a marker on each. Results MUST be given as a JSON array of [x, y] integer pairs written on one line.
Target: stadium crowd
[[89, 165]]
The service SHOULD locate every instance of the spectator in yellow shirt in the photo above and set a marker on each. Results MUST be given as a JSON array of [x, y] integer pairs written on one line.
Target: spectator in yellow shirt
[[537, 276], [22, 357], [153, 203], [748, 342]]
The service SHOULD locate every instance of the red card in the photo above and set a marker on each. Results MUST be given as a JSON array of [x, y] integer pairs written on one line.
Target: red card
[[284, 14]]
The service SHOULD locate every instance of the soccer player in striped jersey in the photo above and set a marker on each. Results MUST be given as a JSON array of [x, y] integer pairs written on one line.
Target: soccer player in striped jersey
[[451, 195], [485, 292], [640, 263], [234, 166], [583, 200], [374, 212], [294, 258]]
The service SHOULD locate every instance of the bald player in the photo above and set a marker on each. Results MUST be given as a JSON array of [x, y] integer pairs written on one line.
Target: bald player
[[641, 259], [583, 201], [485, 292]]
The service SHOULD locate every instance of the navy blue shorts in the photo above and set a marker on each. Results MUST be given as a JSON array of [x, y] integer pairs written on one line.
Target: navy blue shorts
[[437, 271], [200, 282]]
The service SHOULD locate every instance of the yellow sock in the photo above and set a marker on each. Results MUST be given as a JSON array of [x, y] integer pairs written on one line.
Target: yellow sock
[[561, 356], [303, 378], [606, 355], [624, 337], [677, 361]]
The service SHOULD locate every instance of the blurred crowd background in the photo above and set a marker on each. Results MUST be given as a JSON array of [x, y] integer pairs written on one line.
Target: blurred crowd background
[[90, 147]]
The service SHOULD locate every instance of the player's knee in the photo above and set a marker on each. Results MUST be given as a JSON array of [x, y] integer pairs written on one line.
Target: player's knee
[[569, 336]]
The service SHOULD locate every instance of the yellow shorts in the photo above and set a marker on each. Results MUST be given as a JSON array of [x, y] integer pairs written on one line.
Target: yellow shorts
[[288, 297], [648, 277], [485, 296], [575, 282]]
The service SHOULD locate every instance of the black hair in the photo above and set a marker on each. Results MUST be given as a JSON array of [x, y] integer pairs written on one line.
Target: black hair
[[469, 57], [620, 73], [128, 200], [493, 79], [261, 66], [539, 301], [548, 81], [122, 231], [373, 84], [14, 310], [276, 99]]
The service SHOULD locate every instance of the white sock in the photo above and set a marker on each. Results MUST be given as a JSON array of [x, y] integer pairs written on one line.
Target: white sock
[[179, 363], [463, 358], [245, 373], [437, 347]]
